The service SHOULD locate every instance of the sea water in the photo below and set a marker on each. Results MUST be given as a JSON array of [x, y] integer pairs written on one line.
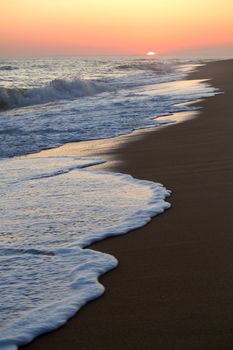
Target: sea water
[[45, 103], [53, 208]]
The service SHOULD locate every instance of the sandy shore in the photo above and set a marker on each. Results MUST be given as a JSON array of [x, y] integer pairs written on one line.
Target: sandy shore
[[173, 288]]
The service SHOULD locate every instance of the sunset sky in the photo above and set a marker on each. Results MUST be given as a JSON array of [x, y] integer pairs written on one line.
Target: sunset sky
[[113, 26]]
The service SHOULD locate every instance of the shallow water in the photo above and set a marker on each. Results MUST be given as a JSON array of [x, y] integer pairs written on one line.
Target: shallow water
[[52, 210]]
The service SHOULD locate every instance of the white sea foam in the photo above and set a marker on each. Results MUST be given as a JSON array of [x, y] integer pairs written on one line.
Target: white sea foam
[[72, 86], [57, 89], [113, 113], [46, 273], [51, 209]]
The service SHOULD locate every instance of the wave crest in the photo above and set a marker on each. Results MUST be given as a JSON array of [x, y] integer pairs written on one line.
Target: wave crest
[[8, 68], [58, 89]]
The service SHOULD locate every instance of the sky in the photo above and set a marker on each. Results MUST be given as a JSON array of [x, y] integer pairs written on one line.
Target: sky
[[87, 27]]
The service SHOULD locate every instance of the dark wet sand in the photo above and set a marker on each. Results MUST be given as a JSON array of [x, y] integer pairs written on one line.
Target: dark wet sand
[[173, 288]]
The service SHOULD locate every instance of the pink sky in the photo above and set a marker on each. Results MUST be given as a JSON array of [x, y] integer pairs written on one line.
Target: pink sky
[[113, 26]]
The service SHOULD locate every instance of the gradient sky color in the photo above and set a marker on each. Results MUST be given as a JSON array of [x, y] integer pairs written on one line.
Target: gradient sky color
[[113, 26]]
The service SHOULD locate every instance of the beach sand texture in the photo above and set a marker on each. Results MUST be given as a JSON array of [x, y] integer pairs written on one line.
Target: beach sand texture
[[173, 288]]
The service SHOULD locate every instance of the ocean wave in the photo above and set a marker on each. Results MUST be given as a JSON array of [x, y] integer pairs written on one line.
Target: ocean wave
[[57, 89], [158, 67], [8, 68]]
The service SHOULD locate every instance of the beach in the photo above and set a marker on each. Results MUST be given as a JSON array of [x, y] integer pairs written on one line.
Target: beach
[[173, 288]]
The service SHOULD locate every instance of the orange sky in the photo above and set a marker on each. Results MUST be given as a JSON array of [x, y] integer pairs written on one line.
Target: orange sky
[[113, 26]]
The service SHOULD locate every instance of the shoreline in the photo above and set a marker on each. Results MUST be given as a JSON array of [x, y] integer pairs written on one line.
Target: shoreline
[[105, 149], [175, 292]]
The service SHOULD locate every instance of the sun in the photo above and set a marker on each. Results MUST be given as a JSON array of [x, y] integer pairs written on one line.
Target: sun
[[151, 53]]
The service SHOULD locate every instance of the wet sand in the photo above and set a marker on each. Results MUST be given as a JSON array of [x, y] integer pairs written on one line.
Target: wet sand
[[173, 288]]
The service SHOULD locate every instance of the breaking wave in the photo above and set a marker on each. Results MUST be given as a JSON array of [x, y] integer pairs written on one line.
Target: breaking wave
[[8, 68], [57, 89]]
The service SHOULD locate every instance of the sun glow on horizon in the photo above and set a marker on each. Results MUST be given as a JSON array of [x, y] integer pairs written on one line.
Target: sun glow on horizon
[[113, 27], [151, 53]]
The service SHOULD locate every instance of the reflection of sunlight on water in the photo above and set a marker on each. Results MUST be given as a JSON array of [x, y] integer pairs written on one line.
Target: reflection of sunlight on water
[[187, 68], [72, 203], [100, 148], [184, 87], [179, 117]]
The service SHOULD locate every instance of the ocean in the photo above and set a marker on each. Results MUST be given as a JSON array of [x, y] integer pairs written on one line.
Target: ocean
[[53, 208]]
